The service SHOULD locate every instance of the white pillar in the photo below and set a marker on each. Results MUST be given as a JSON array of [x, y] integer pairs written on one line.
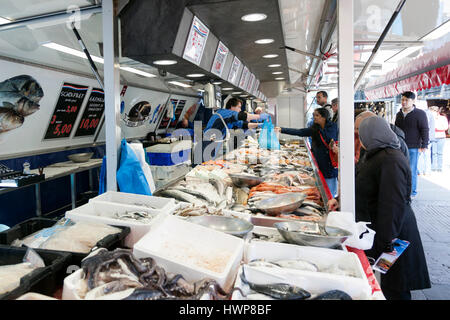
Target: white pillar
[[112, 93], [346, 106]]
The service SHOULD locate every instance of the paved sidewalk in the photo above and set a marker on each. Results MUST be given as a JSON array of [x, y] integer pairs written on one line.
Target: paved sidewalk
[[432, 209]]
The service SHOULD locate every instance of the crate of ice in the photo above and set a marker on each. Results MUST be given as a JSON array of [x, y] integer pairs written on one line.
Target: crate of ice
[[192, 250], [138, 219], [316, 270], [154, 204]]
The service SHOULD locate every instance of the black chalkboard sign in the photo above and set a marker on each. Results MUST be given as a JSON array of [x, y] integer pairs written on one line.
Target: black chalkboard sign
[[66, 111], [165, 120], [178, 111], [92, 114]]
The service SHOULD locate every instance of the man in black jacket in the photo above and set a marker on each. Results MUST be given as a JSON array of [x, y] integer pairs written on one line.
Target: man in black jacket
[[414, 124]]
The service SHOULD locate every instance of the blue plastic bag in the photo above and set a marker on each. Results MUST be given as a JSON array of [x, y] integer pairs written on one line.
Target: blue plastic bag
[[130, 176], [267, 137], [102, 179]]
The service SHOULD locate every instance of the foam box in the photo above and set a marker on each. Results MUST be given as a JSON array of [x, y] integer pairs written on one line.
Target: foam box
[[157, 204], [315, 282], [192, 250], [103, 212]]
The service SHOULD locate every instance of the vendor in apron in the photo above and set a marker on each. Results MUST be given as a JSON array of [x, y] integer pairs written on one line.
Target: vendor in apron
[[223, 120]]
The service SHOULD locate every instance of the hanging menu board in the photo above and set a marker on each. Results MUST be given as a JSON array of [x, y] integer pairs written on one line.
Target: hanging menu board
[[165, 120], [66, 111], [92, 114], [219, 59], [233, 75], [255, 89], [196, 42], [178, 110], [244, 78], [251, 82]]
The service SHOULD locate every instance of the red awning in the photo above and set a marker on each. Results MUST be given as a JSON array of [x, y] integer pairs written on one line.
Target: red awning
[[427, 71]]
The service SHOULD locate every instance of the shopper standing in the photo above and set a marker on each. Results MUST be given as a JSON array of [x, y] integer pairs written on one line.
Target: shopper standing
[[382, 189], [414, 124], [322, 101], [335, 108], [437, 146], [424, 162], [321, 133]]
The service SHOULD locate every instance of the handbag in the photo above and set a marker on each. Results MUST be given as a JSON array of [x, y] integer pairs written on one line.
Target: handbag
[[333, 155]]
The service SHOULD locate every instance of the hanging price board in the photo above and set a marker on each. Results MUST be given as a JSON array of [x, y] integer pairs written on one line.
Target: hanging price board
[[219, 59], [233, 75], [92, 113], [178, 110], [244, 78], [66, 111], [196, 42]]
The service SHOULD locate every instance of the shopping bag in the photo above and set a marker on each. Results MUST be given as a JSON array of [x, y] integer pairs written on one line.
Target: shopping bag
[[130, 176], [268, 138], [333, 156], [138, 149]]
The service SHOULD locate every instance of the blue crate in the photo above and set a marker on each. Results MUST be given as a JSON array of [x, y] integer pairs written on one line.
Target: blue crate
[[165, 159]]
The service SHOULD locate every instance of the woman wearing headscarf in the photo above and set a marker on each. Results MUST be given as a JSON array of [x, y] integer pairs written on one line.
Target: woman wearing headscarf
[[383, 188], [321, 132]]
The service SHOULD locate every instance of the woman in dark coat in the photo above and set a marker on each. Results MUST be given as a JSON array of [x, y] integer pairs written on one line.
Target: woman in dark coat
[[324, 127], [383, 188]]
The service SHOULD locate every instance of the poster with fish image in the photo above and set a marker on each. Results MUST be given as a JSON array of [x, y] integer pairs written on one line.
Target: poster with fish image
[[233, 75], [219, 59], [19, 98], [66, 111], [92, 114], [196, 41]]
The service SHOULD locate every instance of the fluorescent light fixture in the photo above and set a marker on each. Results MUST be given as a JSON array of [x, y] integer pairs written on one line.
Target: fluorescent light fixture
[[278, 72], [195, 75], [279, 78], [243, 95], [237, 92], [164, 62], [270, 56], [253, 17], [274, 65], [71, 51], [82, 55], [217, 82], [264, 41], [403, 53], [201, 90], [227, 88], [4, 21], [440, 31], [180, 84], [139, 72]]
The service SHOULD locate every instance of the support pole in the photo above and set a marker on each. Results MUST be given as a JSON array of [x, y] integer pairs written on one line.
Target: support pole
[[346, 106], [112, 91]]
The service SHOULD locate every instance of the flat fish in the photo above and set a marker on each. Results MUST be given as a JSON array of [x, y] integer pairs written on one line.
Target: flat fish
[[297, 264]]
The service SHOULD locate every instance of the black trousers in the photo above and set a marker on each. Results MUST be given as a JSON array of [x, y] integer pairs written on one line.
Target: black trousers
[[396, 295]]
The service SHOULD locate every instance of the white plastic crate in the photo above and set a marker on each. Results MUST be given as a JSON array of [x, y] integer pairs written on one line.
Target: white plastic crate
[[357, 286], [103, 212], [192, 250], [226, 212], [157, 204]]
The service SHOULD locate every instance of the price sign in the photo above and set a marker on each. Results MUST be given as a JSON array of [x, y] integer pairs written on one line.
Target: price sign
[[165, 120], [196, 42], [233, 75], [92, 114], [179, 108], [219, 59], [66, 111], [244, 78]]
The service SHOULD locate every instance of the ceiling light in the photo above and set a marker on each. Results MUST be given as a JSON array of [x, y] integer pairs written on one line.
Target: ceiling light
[[80, 54], [269, 56], [253, 17], [195, 75], [71, 51], [180, 84], [217, 82], [139, 72], [279, 78], [4, 21], [403, 53], [274, 65], [278, 72], [440, 31], [227, 88], [237, 92], [164, 62], [264, 41], [243, 95]]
